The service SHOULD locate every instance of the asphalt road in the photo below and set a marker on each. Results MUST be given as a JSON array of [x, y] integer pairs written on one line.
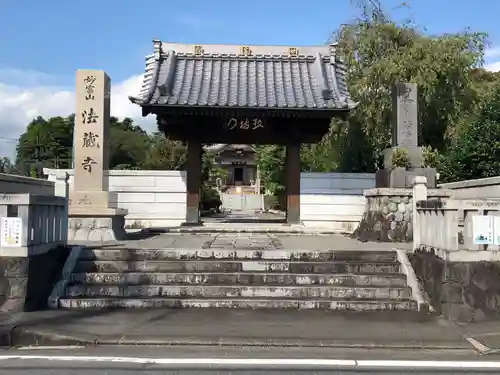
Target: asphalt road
[[142, 360]]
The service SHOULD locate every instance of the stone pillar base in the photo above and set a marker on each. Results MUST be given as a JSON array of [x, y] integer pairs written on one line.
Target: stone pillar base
[[401, 178], [96, 224], [198, 223]]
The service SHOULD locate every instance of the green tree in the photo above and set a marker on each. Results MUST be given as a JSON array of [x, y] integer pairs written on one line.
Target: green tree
[[381, 52], [46, 143], [271, 161], [476, 152], [6, 165], [129, 144], [164, 154], [49, 143]]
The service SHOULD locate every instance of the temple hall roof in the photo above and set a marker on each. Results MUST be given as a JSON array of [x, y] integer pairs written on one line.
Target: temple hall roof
[[255, 77]]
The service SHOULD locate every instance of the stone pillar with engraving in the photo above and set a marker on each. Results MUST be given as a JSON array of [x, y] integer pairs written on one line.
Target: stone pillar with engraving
[[404, 135], [91, 217]]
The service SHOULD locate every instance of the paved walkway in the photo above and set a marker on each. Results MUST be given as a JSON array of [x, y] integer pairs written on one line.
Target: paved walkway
[[238, 327], [248, 240]]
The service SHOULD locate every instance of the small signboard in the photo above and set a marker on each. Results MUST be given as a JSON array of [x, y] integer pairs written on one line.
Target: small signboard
[[11, 229], [496, 230], [482, 230]]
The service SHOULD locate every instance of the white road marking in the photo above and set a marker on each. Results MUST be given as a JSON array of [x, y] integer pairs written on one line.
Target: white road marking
[[466, 365], [478, 346], [68, 347]]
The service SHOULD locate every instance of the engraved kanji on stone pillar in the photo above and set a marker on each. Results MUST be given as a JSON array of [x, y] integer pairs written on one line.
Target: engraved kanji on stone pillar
[[405, 112], [91, 134]]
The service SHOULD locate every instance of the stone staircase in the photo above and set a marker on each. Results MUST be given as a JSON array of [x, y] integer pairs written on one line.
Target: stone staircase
[[238, 278]]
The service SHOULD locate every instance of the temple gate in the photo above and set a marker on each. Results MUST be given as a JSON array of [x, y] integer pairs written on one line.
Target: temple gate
[[205, 94]]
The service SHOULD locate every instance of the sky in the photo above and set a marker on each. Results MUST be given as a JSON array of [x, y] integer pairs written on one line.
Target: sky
[[43, 43]]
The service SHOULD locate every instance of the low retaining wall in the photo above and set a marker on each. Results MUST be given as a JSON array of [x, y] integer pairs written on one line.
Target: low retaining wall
[[152, 198], [388, 215], [333, 200], [475, 189], [460, 291], [12, 184], [26, 282]]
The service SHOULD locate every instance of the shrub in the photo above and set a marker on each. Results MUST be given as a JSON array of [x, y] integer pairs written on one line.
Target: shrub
[[400, 158]]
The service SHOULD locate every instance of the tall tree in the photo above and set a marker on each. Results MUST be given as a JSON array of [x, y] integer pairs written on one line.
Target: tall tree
[[381, 52], [476, 152], [46, 143], [164, 154]]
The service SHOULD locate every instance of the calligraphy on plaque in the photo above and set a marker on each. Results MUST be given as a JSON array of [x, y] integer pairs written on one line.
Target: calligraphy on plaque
[[245, 124], [89, 87], [87, 164], [89, 116], [90, 140], [246, 51], [293, 51]]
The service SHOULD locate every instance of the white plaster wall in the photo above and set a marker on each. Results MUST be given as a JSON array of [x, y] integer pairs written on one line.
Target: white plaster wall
[[333, 200], [152, 198]]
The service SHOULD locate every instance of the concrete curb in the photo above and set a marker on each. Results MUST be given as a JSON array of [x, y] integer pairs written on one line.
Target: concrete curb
[[25, 337], [412, 281]]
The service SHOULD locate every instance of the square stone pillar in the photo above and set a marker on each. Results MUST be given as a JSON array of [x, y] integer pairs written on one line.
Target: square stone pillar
[[91, 217], [292, 170], [193, 183]]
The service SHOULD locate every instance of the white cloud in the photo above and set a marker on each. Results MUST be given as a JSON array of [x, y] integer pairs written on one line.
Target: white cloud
[[493, 67], [34, 95]]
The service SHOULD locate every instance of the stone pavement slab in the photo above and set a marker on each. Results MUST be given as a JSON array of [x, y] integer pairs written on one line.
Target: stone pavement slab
[[257, 241], [238, 327], [334, 242]]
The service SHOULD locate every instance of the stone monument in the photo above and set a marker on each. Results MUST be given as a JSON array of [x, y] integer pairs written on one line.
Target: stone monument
[[91, 218], [404, 135]]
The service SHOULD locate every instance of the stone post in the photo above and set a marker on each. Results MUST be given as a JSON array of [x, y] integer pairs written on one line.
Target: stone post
[[404, 135], [61, 189], [292, 168], [91, 217], [193, 183], [419, 194]]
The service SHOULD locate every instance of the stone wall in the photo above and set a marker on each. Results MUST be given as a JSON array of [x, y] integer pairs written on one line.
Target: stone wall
[[11, 184], [333, 200], [475, 189], [26, 282], [388, 215], [460, 291]]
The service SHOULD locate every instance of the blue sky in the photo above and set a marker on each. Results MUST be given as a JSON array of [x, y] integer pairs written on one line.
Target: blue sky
[[44, 42]]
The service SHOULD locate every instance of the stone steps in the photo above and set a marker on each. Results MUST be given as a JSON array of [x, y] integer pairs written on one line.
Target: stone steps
[[241, 303], [237, 278], [237, 266], [124, 254], [236, 291]]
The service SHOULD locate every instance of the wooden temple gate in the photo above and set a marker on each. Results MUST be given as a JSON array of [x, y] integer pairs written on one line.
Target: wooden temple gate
[[244, 94]]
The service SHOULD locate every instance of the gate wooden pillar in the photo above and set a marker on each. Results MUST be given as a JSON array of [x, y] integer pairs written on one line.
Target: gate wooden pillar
[[292, 170], [193, 182]]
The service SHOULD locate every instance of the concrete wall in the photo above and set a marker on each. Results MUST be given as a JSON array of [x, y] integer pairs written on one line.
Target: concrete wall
[[470, 189], [334, 200], [152, 198], [11, 184]]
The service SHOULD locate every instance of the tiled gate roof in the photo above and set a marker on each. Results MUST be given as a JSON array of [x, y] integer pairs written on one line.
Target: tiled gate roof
[[259, 77]]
